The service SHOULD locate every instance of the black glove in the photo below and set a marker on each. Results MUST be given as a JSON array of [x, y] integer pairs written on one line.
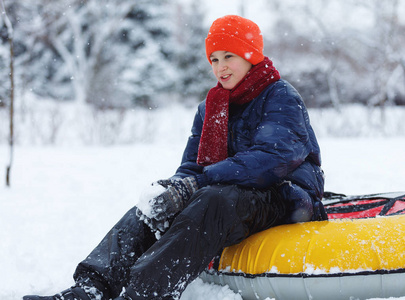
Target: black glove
[[172, 200]]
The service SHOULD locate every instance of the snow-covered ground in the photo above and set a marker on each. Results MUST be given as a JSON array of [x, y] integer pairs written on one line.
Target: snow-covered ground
[[63, 200]]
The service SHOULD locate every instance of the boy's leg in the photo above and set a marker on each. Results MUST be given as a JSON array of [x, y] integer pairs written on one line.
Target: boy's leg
[[104, 273], [107, 267], [217, 216]]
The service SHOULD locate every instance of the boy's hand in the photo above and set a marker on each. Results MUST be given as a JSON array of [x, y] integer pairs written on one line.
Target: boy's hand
[[172, 200]]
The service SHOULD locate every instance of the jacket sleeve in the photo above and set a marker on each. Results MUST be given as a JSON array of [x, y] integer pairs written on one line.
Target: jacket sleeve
[[189, 166], [279, 144]]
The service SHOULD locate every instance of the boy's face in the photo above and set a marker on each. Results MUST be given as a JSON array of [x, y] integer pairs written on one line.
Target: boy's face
[[229, 68]]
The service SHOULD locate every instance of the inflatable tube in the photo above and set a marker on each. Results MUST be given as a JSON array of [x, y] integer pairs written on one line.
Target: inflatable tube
[[335, 259]]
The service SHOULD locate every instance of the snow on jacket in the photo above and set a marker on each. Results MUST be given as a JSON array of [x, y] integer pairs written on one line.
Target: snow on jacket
[[270, 141]]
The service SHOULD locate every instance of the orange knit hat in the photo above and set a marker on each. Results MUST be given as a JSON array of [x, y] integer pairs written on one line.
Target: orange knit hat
[[237, 35]]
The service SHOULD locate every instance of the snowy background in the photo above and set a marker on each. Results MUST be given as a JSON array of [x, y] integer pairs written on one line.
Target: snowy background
[[95, 123]]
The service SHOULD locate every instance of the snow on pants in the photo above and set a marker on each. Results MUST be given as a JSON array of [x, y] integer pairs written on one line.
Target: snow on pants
[[215, 217]]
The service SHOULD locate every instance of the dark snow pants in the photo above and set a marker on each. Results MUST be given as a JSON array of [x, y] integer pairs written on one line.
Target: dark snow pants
[[215, 217]]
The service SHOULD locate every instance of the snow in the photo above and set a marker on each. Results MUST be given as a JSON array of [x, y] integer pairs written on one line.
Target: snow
[[64, 199], [148, 193]]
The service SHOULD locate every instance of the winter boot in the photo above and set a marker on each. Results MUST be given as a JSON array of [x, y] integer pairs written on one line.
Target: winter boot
[[73, 293]]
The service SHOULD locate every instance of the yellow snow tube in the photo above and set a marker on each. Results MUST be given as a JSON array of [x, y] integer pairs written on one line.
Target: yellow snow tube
[[336, 259]]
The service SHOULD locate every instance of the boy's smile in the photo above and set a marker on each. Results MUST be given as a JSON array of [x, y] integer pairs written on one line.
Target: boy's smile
[[229, 68]]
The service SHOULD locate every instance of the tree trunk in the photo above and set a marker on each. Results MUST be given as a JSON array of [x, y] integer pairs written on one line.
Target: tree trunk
[[9, 28], [11, 137]]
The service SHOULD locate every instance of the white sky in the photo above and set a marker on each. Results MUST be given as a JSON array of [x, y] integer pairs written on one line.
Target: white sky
[[253, 9], [260, 12]]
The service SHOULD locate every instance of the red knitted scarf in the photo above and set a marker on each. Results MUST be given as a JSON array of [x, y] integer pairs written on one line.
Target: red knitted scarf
[[214, 138]]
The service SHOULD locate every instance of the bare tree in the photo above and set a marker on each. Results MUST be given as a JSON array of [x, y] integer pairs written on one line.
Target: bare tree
[[6, 22], [356, 46], [78, 32]]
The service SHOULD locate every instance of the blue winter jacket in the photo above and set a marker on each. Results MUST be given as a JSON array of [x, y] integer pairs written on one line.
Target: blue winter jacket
[[270, 141]]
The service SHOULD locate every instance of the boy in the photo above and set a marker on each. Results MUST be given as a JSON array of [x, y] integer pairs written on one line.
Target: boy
[[252, 162]]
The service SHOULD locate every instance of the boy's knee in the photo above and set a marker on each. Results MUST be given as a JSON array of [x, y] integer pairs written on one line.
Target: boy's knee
[[217, 199]]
